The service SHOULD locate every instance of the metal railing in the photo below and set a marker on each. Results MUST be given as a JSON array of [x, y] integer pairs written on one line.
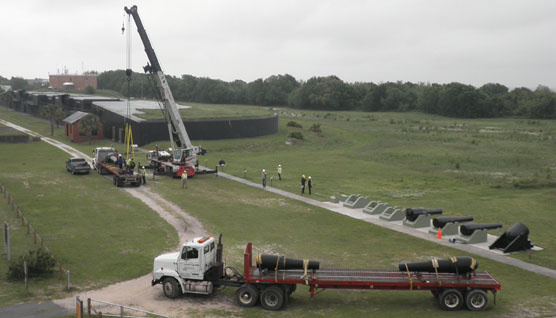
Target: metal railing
[[92, 312]]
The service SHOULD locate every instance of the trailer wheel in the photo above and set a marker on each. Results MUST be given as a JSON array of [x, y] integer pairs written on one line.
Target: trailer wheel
[[247, 295], [451, 299], [476, 300], [171, 288], [272, 298]]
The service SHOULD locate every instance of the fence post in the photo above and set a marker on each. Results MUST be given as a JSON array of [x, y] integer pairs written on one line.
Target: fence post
[[69, 284], [78, 307], [26, 275], [121, 311], [89, 307], [7, 240]]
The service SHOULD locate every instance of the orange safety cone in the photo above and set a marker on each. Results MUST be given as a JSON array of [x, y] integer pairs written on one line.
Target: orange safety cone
[[439, 234]]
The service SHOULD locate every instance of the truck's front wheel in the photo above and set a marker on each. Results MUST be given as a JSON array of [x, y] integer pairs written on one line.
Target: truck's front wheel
[[171, 288]]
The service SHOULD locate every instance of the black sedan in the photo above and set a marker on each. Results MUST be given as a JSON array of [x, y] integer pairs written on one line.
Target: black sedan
[[77, 165]]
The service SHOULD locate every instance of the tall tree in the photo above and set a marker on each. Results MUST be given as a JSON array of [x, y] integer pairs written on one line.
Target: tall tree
[[19, 83], [88, 124], [54, 114]]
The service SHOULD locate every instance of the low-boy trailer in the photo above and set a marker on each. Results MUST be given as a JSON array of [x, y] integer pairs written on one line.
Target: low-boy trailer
[[273, 287], [104, 163]]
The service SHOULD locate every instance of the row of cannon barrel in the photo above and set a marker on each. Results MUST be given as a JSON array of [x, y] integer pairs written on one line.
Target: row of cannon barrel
[[456, 264], [516, 238]]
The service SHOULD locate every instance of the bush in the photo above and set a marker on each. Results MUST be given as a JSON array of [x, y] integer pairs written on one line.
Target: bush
[[294, 124], [90, 90], [38, 262], [296, 135], [315, 128]]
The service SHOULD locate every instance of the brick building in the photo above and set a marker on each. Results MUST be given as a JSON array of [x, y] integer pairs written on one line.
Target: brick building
[[80, 82], [73, 131]]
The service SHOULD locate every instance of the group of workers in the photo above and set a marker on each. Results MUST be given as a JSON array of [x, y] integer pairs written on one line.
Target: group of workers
[[129, 165], [305, 182]]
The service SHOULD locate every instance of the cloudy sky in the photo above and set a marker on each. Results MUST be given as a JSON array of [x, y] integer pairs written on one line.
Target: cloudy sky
[[437, 41]]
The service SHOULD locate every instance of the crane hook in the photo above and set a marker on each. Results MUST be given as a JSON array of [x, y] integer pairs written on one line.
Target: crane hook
[[123, 28]]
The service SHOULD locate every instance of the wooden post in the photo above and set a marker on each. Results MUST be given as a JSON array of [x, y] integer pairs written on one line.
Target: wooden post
[[88, 307], [26, 275], [78, 307], [69, 284], [7, 240]]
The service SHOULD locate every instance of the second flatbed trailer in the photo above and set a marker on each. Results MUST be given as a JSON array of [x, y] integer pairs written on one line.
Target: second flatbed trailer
[[273, 287]]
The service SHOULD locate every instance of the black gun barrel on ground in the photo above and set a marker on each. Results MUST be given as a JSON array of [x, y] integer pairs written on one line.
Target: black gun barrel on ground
[[411, 214], [273, 262], [468, 229], [456, 264], [443, 220]]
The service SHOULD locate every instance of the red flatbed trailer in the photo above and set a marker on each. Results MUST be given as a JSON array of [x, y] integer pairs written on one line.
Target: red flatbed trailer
[[120, 176], [274, 287]]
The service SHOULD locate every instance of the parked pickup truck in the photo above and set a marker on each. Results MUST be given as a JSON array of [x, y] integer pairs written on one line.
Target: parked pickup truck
[[77, 165]]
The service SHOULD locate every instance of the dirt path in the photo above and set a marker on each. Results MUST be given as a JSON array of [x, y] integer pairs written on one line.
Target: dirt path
[[139, 293]]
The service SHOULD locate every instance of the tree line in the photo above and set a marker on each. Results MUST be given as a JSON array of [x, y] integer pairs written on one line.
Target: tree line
[[332, 93]]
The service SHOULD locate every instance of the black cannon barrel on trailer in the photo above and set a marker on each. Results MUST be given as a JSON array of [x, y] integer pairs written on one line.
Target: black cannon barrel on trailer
[[265, 261], [456, 264], [453, 279]]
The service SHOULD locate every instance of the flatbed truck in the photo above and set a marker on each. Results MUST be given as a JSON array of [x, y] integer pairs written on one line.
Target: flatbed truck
[[198, 269], [104, 163]]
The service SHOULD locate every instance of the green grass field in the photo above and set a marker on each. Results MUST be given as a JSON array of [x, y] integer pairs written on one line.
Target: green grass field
[[495, 170], [498, 171], [278, 225], [98, 232]]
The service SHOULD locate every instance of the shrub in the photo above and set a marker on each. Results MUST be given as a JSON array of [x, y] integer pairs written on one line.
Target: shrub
[[296, 135], [90, 90], [294, 124], [38, 262], [315, 128]]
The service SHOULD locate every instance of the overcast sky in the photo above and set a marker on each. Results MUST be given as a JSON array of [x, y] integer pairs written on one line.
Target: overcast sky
[[472, 42]]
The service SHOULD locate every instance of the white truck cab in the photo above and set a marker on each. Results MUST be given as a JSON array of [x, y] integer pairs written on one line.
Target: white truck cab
[[101, 153], [186, 271]]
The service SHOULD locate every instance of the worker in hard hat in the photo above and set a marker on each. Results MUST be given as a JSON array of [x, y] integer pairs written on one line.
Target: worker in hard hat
[[263, 175], [184, 179], [309, 184], [128, 165], [279, 171], [120, 161], [144, 175], [303, 181]]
